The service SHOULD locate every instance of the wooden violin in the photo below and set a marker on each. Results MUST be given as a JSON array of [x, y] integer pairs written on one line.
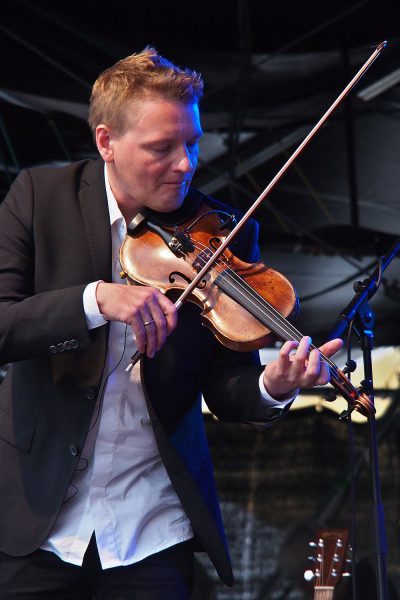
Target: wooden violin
[[244, 304], [237, 299]]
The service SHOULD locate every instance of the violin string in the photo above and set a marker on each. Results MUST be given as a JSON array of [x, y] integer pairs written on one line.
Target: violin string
[[286, 329], [283, 325], [280, 325], [277, 320]]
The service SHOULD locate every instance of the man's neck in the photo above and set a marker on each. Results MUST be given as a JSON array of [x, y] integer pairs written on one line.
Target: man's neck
[[125, 205]]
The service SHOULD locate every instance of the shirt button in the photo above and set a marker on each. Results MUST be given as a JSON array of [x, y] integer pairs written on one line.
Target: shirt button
[[90, 394], [74, 450]]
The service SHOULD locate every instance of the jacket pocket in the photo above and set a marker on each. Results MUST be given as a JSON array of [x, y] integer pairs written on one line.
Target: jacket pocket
[[16, 431]]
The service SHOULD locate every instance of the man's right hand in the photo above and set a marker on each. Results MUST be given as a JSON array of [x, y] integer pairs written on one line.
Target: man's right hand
[[151, 315]]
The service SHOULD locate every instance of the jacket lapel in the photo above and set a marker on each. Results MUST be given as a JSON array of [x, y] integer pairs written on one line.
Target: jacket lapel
[[94, 207]]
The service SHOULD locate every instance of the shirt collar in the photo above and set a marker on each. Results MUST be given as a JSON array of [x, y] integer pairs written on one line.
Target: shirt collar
[[113, 208]]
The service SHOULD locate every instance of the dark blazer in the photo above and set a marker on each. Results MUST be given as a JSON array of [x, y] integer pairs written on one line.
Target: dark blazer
[[54, 239]]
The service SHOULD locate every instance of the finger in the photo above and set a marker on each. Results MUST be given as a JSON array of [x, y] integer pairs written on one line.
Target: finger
[[152, 336], [302, 351], [158, 318], [163, 313], [314, 366], [145, 333], [318, 371], [170, 312], [324, 375], [139, 330], [299, 359], [156, 329], [330, 348], [286, 350]]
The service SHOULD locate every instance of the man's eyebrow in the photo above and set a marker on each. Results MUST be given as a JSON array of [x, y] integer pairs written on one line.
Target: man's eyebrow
[[171, 138]]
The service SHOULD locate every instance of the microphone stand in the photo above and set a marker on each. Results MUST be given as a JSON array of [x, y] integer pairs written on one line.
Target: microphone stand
[[359, 312]]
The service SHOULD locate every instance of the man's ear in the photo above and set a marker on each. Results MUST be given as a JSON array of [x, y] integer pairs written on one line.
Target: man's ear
[[103, 142]]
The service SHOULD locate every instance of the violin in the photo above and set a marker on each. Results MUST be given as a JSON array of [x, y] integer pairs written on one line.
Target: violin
[[245, 305], [242, 303], [237, 299]]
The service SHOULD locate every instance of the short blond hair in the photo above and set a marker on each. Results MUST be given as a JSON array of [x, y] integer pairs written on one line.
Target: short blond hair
[[138, 76]]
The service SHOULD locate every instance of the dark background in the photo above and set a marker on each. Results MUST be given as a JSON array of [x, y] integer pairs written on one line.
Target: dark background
[[271, 69]]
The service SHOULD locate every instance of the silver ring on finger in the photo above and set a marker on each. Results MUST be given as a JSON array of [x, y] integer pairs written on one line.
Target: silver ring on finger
[[146, 323]]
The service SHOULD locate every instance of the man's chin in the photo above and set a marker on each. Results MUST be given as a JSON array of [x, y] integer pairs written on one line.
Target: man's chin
[[170, 204]]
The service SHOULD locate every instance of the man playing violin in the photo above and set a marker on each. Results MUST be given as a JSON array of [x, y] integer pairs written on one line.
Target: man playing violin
[[107, 486]]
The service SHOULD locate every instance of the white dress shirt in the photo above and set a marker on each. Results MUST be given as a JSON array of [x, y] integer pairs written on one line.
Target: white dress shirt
[[120, 489]]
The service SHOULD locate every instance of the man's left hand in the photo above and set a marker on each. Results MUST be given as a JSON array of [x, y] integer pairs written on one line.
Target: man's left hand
[[298, 367]]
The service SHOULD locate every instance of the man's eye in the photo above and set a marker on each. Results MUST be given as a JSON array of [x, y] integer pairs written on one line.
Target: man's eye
[[160, 148]]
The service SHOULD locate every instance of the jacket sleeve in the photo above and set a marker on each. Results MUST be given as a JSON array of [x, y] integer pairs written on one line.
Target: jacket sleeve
[[32, 322]]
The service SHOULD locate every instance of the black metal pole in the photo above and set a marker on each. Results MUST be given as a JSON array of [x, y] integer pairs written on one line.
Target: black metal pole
[[379, 546], [359, 312]]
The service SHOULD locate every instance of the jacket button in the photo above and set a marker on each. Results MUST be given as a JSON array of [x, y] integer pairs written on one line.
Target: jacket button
[[60, 347], [67, 345], [53, 349], [74, 343], [90, 394], [74, 450]]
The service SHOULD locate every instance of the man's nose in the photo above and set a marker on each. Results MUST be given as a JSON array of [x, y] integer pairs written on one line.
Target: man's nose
[[185, 162]]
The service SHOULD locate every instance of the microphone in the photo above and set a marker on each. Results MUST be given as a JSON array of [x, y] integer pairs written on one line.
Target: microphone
[[364, 291]]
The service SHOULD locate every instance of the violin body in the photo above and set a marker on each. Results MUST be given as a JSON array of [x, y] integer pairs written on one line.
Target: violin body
[[147, 260]]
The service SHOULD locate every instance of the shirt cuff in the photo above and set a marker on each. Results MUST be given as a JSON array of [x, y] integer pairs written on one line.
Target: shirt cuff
[[269, 401], [94, 318]]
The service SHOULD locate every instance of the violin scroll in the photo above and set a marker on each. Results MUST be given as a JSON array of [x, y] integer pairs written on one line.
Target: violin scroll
[[356, 398]]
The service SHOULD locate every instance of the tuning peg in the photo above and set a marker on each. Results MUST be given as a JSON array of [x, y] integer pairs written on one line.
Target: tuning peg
[[309, 575], [350, 367], [311, 558]]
